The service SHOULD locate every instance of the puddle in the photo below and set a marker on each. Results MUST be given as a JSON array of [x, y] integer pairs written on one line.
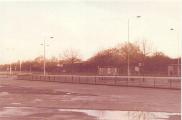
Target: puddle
[[125, 115], [37, 100], [13, 111], [16, 103], [4, 93], [68, 93], [31, 112]]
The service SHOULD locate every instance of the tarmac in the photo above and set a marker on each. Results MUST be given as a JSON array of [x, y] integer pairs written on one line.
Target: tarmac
[[42, 100]]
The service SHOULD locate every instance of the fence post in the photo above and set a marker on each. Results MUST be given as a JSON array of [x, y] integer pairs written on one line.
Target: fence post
[[65, 79], [96, 78], [115, 80], [141, 81], [128, 81], [72, 79], [102, 80], [154, 82], [79, 79], [170, 83]]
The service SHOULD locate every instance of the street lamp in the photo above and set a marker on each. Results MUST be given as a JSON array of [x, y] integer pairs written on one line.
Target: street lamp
[[10, 69], [10, 65], [45, 55], [128, 56], [20, 66], [128, 47], [178, 59]]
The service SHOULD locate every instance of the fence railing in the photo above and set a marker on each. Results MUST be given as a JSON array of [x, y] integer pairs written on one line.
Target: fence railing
[[137, 81]]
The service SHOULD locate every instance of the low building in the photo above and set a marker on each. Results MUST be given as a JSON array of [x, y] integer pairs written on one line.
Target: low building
[[108, 71], [174, 70]]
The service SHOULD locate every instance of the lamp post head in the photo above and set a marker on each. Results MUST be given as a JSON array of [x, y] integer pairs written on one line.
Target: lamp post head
[[138, 16], [51, 37], [172, 29]]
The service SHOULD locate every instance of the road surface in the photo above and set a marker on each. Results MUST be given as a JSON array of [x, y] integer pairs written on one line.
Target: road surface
[[37, 100]]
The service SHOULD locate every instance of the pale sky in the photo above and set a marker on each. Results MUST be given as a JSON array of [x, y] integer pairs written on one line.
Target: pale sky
[[86, 25]]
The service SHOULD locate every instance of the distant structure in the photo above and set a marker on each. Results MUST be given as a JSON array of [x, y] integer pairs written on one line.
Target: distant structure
[[108, 71], [174, 70]]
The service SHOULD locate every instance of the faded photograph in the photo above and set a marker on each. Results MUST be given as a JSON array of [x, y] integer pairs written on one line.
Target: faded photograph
[[90, 59]]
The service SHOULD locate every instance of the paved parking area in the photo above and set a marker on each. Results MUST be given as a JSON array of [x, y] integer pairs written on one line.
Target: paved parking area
[[37, 100]]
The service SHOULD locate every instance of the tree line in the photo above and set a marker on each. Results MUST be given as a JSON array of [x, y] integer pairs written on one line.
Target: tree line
[[140, 55]]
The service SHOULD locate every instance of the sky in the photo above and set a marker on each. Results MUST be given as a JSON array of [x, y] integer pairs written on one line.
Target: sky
[[86, 26]]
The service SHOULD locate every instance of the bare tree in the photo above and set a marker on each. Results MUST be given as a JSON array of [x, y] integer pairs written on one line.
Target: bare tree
[[146, 48], [71, 56]]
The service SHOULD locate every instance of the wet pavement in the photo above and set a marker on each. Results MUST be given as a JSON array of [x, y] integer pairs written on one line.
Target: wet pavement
[[32, 113], [35, 100]]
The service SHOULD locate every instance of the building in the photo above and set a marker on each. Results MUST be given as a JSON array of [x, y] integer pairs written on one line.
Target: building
[[108, 71], [174, 70]]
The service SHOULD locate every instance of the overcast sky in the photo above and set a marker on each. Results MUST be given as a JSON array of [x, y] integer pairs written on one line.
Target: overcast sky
[[86, 25]]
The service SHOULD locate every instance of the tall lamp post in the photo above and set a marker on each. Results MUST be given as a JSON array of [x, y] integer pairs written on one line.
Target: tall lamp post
[[128, 55], [10, 65], [178, 59], [20, 66], [128, 47], [10, 69], [45, 55]]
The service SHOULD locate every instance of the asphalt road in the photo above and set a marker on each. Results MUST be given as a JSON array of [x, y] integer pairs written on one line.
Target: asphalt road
[[37, 100]]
